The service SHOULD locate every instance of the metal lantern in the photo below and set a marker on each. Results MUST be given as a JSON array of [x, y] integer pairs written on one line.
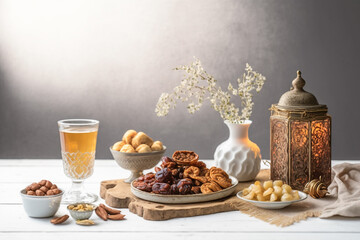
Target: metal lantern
[[300, 138]]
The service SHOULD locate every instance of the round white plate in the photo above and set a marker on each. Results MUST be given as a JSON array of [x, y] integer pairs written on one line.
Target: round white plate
[[272, 205], [180, 199]]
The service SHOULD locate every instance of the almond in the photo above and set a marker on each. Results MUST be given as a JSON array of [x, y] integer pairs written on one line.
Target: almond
[[85, 222], [116, 217], [48, 184], [39, 193], [31, 193], [50, 192], [110, 211], [42, 182], [44, 189], [101, 212], [59, 220], [35, 186]]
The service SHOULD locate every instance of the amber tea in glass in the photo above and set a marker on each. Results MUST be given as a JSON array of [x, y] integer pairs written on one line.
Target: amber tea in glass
[[78, 146]]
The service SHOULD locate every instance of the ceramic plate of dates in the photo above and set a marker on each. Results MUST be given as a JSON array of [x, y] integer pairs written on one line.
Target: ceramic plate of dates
[[190, 198], [272, 205]]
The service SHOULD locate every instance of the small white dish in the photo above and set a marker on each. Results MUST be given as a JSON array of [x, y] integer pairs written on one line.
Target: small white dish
[[81, 215], [190, 198], [41, 206], [272, 205]]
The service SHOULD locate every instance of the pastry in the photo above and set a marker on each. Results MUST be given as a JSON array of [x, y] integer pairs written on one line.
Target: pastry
[[127, 148], [128, 136], [210, 187], [185, 157], [141, 138], [143, 148], [157, 146], [118, 145]]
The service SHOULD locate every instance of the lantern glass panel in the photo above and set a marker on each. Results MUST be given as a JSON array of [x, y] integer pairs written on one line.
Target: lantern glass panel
[[299, 153], [320, 150], [279, 148]]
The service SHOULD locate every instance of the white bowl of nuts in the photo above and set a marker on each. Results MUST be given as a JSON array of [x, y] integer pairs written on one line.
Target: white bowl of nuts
[[271, 194], [41, 199]]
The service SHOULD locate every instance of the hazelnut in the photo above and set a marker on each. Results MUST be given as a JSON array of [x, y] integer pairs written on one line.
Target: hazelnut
[[56, 191], [50, 192], [35, 186], [44, 189], [42, 182], [28, 188], [39, 193], [30, 193], [53, 187], [48, 184]]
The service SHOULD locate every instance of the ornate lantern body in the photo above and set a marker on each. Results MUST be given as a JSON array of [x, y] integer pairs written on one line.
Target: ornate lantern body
[[300, 138]]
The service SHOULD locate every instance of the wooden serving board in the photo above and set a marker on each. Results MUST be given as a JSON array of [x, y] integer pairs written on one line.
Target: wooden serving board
[[117, 194]]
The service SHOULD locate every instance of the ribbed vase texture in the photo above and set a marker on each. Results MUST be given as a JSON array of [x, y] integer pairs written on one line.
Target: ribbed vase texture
[[238, 156]]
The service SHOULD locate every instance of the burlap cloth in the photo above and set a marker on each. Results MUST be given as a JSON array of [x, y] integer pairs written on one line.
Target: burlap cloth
[[344, 199]]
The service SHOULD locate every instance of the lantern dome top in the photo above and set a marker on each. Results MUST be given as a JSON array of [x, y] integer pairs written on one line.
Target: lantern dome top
[[297, 96]]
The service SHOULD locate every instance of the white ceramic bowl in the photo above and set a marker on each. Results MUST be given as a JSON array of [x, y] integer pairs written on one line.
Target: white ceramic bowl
[[272, 205], [137, 162], [41, 206]]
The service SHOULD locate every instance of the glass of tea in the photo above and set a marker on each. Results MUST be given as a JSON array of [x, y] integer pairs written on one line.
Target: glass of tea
[[78, 146]]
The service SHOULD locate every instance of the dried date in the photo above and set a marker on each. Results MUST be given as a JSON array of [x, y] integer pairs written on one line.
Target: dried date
[[164, 176], [143, 186], [174, 189], [184, 186], [149, 177], [167, 162], [161, 188]]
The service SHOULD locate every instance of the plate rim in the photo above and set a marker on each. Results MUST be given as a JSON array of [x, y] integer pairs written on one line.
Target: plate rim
[[188, 196], [272, 203]]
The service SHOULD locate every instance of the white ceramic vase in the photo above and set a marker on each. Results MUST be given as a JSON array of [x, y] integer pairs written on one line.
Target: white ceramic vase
[[239, 156]]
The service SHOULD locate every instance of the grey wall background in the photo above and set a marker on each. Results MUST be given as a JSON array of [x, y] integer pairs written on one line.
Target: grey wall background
[[111, 60]]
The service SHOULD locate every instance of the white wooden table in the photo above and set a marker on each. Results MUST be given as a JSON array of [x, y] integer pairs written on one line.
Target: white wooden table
[[15, 224]]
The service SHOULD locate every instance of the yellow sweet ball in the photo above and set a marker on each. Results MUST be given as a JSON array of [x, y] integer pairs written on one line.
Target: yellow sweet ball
[[278, 183], [128, 149], [157, 146], [143, 148], [128, 136], [278, 190], [268, 184], [286, 197], [118, 145]]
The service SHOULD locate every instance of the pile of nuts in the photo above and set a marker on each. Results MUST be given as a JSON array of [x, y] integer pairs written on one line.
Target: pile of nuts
[[270, 191], [42, 188], [105, 213], [183, 174], [82, 207]]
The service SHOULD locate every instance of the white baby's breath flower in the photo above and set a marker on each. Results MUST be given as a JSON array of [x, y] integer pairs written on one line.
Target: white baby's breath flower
[[197, 86]]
